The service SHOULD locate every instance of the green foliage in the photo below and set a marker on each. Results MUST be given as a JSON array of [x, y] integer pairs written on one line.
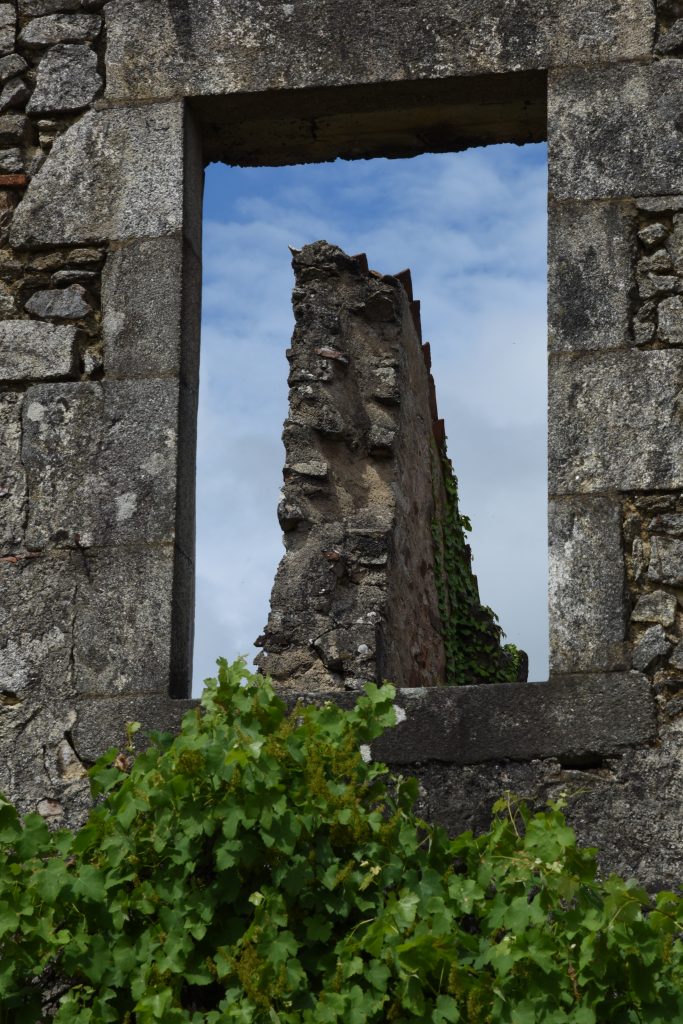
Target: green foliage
[[471, 633], [256, 870]]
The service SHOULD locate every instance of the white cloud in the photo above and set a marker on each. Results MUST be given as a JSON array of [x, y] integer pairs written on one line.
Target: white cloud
[[472, 229]]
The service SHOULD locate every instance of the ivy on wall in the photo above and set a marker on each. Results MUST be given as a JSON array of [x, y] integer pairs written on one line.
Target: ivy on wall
[[471, 633]]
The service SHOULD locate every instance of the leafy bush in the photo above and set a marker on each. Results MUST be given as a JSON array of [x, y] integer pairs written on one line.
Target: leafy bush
[[257, 869]]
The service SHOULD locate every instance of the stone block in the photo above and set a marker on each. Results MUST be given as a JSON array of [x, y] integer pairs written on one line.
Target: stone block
[[12, 475], [666, 561], [142, 327], [60, 28], [650, 648], [592, 254], [580, 718], [615, 421], [59, 303], [101, 724], [8, 26], [31, 350], [67, 80], [115, 174], [122, 626], [36, 626], [38, 8], [587, 587], [616, 131], [658, 606], [101, 463], [214, 47]]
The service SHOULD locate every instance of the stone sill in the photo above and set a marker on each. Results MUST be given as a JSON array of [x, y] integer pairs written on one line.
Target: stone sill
[[578, 720]]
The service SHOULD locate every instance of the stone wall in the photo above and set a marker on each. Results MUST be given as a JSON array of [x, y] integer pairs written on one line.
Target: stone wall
[[103, 133]]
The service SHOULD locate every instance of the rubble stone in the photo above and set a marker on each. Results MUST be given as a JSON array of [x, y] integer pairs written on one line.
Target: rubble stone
[[650, 647], [60, 28], [68, 80], [658, 606], [60, 303]]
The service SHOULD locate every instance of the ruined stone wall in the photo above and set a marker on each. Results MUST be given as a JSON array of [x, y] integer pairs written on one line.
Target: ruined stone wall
[[100, 200]]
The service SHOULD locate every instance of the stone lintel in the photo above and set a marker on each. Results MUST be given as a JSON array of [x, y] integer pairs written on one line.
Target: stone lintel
[[575, 720]]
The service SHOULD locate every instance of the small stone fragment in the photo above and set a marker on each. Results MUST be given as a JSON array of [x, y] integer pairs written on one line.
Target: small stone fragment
[[677, 656], [74, 277], [316, 469], [11, 161], [643, 331], [671, 42], [671, 524], [670, 315], [7, 304], [50, 809], [653, 234], [59, 303], [658, 263], [61, 28], [12, 65], [650, 285], [12, 128], [651, 646], [68, 80], [30, 350], [659, 607], [666, 561], [14, 93]]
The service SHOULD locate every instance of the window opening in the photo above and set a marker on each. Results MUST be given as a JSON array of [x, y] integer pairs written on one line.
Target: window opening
[[471, 226]]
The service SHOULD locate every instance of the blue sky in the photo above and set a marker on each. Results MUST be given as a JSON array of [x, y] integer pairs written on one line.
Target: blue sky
[[472, 228]]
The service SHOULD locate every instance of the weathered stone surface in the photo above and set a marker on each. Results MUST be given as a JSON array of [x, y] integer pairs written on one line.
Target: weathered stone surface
[[30, 350], [666, 561], [14, 93], [592, 251], [37, 8], [586, 587], [12, 128], [36, 627], [651, 647], [85, 193], [658, 606], [671, 42], [67, 80], [670, 320], [142, 327], [615, 131], [101, 463], [59, 303], [615, 421], [8, 23], [356, 594], [224, 46], [12, 475], [7, 302], [61, 28], [11, 161], [101, 724], [628, 806], [128, 598], [677, 656], [11, 65]]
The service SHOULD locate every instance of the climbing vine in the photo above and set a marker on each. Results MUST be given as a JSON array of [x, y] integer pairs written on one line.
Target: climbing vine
[[471, 633], [257, 869]]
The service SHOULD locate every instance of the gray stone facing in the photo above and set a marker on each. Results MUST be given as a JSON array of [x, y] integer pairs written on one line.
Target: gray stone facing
[[142, 328], [60, 28], [590, 275], [213, 47], [12, 475], [101, 463], [616, 131], [666, 561], [587, 597], [12, 65], [615, 421], [127, 597], [85, 192], [59, 303], [31, 350], [68, 80], [8, 22], [36, 628]]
